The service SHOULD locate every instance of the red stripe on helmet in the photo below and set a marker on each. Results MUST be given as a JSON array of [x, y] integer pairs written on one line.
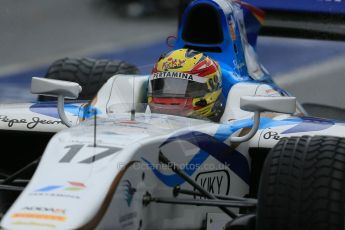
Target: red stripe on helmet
[[204, 72], [200, 64]]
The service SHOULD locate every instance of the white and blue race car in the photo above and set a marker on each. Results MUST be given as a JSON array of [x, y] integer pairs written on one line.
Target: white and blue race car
[[110, 163]]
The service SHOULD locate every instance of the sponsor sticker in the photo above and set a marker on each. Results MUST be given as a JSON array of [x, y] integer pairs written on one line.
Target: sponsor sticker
[[177, 75], [44, 209], [129, 191], [55, 194], [173, 63], [238, 65], [32, 223], [60, 190], [71, 186], [30, 124], [128, 220], [271, 135], [215, 182], [39, 216]]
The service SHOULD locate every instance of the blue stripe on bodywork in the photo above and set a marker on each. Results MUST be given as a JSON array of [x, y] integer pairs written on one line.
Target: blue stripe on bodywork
[[310, 124], [50, 109], [48, 188], [219, 150], [216, 147], [174, 179], [302, 124], [208, 146]]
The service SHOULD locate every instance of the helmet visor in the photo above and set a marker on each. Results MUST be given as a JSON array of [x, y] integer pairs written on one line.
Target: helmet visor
[[174, 87]]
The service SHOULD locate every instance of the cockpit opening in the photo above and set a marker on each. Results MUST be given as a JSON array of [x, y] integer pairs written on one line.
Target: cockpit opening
[[203, 26]]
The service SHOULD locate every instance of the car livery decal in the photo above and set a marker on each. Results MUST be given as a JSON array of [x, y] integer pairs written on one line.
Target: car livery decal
[[208, 146], [129, 191], [310, 124], [302, 124], [216, 147], [71, 186]]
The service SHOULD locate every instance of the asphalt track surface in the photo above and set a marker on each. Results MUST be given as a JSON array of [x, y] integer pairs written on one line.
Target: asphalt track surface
[[34, 33]]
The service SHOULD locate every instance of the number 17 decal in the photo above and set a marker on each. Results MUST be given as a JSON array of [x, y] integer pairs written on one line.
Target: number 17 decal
[[75, 149]]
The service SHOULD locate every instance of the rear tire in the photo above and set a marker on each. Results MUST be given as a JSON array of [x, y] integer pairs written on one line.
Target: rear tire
[[89, 73], [303, 185]]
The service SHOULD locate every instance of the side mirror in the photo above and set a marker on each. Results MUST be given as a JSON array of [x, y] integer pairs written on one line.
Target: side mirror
[[259, 104], [56, 88], [268, 104]]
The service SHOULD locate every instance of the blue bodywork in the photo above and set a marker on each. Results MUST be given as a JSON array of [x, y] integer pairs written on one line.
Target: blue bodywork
[[228, 51], [80, 109]]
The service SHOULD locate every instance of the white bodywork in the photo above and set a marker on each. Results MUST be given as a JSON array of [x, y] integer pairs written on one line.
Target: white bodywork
[[87, 181]]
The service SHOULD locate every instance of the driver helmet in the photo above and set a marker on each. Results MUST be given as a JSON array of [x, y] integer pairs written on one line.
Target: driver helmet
[[187, 83]]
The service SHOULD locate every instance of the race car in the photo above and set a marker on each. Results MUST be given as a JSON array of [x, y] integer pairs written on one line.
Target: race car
[[181, 148]]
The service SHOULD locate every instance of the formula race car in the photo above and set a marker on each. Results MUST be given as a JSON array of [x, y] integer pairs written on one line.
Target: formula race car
[[207, 141]]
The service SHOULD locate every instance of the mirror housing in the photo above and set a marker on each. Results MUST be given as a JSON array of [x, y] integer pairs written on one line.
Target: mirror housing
[[56, 88], [259, 104], [268, 104]]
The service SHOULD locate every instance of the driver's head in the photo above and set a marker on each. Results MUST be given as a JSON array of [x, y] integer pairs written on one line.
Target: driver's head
[[185, 82]]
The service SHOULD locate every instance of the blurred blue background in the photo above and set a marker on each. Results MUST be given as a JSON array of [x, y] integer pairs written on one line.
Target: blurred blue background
[[322, 6], [34, 33]]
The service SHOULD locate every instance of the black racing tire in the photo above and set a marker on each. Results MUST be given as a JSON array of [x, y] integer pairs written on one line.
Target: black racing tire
[[303, 185], [89, 73], [7, 198]]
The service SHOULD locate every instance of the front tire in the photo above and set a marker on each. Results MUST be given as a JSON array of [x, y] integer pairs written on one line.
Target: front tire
[[303, 185]]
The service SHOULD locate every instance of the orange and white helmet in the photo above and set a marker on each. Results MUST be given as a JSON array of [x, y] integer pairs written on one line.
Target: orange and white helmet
[[187, 83]]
